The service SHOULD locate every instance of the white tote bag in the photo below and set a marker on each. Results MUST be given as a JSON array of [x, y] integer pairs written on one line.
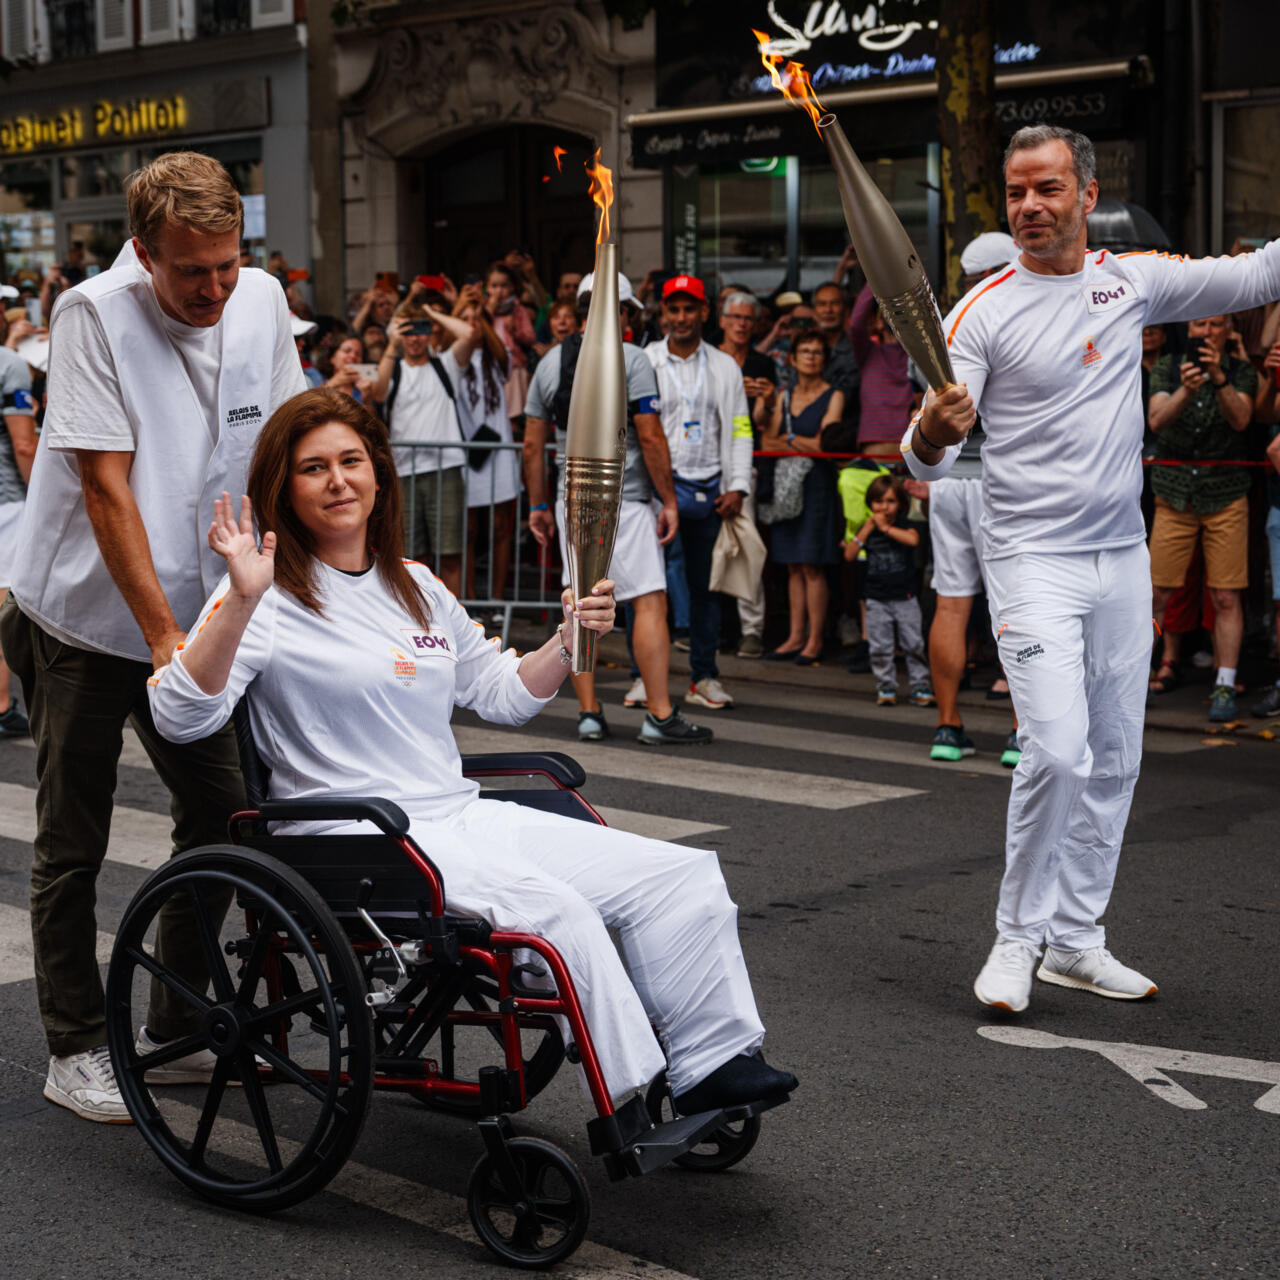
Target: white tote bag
[[737, 559]]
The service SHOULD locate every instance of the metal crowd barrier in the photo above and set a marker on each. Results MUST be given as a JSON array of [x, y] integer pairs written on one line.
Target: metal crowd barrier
[[528, 589]]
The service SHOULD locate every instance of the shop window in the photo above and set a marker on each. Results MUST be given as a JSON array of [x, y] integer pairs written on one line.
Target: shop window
[[98, 174], [742, 224], [26, 220], [1250, 162], [823, 234], [102, 239], [72, 28]]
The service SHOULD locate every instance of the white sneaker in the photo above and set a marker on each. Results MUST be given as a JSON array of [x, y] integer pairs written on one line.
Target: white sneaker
[[636, 696], [709, 692], [195, 1068], [1005, 980], [1095, 970], [86, 1084]]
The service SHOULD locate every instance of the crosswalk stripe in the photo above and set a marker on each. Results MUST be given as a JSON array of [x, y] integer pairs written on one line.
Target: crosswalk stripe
[[654, 826], [994, 717], [16, 957], [688, 768], [430, 1208], [732, 726], [138, 838]]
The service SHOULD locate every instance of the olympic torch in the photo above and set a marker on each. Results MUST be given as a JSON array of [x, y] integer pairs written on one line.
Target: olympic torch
[[885, 252], [595, 445]]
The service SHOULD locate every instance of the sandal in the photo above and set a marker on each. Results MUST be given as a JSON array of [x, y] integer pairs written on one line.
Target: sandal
[[1165, 684]]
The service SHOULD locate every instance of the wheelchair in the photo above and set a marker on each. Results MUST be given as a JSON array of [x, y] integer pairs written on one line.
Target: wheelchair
[[342, 972]]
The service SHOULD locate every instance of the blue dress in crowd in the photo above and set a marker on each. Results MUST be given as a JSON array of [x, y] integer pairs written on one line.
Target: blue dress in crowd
[[812, 537]]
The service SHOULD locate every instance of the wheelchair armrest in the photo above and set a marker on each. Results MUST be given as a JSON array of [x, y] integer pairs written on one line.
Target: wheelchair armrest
[[388, 816], [560, 768]]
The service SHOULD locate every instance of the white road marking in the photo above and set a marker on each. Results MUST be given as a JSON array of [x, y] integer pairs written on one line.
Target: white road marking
[[427, 1207], [689, 768], [139, 838], [16, 961], [732, 726], [1148, 1063], [655, 826], [992, 717]]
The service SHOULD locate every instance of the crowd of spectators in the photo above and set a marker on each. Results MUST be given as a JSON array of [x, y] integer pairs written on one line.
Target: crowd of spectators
[[819, 386]]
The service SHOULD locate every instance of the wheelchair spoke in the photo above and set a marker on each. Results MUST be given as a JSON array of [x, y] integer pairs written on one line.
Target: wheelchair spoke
[[253, 966], [257, 1099], [218, 975], [170, 979], [168, 1052], [291, 1071], [209, 1113], [304, 1001]]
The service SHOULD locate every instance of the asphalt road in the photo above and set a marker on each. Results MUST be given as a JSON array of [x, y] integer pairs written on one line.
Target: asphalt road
[[928, 1137]]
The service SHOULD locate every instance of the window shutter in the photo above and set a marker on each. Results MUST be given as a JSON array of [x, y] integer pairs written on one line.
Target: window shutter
[[19, 37], [272, 13], [159, 21], [115, 24]]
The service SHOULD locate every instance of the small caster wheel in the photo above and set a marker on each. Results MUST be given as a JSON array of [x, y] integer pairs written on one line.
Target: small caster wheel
[[543, 1218], [719, 1150]]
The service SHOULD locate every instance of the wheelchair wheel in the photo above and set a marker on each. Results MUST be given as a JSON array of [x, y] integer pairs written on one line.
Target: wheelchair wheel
[[540, 1066], [541, 1219], [720, 1150], [282, 1005]]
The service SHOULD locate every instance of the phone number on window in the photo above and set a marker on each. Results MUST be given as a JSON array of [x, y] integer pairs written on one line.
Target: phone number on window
[[1059, 106]]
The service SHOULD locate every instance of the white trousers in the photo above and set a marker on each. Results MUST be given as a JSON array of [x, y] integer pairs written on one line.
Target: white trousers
[[1074, 634], [570, 882]]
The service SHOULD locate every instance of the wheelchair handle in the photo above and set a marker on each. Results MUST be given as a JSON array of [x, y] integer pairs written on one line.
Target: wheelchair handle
[[387, 816]]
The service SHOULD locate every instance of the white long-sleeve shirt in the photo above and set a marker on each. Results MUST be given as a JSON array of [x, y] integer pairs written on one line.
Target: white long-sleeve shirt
[[1053, 364], [356, 702]]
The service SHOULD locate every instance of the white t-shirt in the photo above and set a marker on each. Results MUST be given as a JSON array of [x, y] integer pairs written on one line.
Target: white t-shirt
[[423, 413], [499, 479], [690, 416], [356, 702], [1053, 364]]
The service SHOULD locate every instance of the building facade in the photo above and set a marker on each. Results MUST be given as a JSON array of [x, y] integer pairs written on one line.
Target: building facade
[[96, 87]]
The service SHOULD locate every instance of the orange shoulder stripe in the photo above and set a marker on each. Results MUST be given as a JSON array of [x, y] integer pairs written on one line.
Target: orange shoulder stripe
[[976, 296]]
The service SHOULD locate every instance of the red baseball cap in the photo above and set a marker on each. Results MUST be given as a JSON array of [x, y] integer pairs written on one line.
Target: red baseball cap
[[685, 284]]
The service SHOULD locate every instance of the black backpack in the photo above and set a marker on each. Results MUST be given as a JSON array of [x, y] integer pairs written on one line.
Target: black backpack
[[395, 387], [569, 351]]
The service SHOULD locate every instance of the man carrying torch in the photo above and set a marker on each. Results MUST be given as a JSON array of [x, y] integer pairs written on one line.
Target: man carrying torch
[[1048, 350]]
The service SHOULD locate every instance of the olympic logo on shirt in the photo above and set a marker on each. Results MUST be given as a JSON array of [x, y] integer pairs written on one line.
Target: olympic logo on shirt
[[404, 667], [1091, 353]]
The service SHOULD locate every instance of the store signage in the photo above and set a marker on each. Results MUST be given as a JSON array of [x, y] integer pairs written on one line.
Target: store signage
[[845, 44], [112, 121]]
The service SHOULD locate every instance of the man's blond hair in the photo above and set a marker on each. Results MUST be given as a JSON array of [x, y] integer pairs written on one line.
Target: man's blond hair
[[186, 189]]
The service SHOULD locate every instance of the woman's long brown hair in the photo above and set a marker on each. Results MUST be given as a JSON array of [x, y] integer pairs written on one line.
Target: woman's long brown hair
[[268, 488]]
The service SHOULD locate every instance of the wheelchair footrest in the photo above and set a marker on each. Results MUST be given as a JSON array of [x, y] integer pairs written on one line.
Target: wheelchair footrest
[[662, 1144]]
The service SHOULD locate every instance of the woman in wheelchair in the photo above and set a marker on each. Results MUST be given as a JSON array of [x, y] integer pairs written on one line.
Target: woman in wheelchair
[[353, 660]]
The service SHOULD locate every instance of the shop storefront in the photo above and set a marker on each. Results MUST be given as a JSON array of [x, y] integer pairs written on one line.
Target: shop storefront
[[749, 194], [65, 156]]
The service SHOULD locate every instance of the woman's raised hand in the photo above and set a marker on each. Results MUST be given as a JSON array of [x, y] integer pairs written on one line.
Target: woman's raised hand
[[252, 570]]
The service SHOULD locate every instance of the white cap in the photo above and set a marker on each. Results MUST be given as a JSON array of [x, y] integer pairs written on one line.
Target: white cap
[[8, 291], [988, 251], [625, 293], [35, 351], [300, 326]]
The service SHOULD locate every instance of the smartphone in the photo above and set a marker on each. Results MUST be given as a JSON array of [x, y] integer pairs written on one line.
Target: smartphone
[[367, 372], [420, 327], [432, 282], [388, 280], [33, 312], [296, 274]]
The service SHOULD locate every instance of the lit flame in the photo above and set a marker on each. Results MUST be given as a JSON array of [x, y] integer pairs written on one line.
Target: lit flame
[[601, 193], [559, 153], [793, 82]]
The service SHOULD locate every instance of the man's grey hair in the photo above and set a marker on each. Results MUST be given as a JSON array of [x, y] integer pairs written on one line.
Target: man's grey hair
[[740, 299], [1083, 158]]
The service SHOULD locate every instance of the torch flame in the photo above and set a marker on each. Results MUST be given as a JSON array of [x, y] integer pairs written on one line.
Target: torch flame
[[559, 153], [601, 192], [793, 83]]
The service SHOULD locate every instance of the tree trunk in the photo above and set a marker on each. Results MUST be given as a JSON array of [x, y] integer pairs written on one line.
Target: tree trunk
[[972, 183]]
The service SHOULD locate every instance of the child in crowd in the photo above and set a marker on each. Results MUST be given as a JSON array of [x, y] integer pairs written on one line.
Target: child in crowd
[[890, 592]]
